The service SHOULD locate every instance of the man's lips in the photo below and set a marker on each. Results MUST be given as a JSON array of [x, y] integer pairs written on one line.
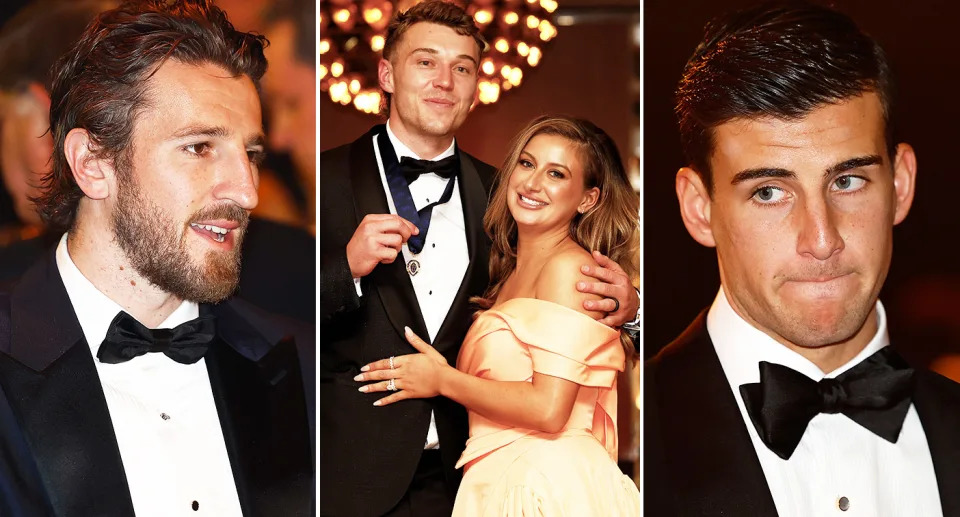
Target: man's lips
[[440, 102], [218, 230], [819, 279]]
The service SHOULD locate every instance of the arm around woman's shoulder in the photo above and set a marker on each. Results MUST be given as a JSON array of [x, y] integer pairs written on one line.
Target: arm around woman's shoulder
[[558, 279]]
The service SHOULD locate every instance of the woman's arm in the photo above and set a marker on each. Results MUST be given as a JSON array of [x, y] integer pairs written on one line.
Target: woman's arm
[[544, 404]]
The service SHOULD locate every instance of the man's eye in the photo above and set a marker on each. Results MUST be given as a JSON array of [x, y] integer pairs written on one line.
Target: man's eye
[[256, 156], [198, 149], [849, 183], [768, 194], [525, 163]]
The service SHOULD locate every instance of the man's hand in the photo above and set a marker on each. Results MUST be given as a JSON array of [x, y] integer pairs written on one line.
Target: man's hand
[[613, 285], [378, 239]]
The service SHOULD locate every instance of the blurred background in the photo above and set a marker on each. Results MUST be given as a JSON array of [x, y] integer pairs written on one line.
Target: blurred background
[[922, 291], [278, 270], [586, 65]]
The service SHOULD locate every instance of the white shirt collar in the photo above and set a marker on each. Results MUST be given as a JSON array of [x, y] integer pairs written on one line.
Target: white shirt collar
[[740, 346], [96, 310], [402, 150]]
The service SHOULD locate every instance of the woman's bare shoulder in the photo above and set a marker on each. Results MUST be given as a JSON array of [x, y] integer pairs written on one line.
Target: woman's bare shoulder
[[558, 279]]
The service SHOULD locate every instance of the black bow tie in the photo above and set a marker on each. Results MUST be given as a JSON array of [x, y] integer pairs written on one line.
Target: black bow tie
[[128, 338], [874, 394], [413, 168]]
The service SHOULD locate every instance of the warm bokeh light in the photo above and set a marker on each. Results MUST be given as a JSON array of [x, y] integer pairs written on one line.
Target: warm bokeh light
[[511, 18], [483, 16], [502, 45], [324, 46], [341, 16], [532, 21], [376, 43], [372, 16], [489, 92], [488, 67], [336, 69], [516, 76]]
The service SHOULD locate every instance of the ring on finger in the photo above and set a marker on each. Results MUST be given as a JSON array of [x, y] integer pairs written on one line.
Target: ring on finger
[[391, 363], [616, 307], [392, 385]]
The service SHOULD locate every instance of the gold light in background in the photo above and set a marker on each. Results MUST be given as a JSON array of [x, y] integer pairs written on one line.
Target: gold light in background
[[352, 38]]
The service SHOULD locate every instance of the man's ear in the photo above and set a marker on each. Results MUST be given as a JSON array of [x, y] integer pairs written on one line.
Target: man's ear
[[93, 174], [695, 205], [904, 180], [385, 75]]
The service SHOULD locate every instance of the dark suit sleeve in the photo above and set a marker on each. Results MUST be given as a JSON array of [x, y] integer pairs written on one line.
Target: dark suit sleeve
[[336, 221], [338, 292]]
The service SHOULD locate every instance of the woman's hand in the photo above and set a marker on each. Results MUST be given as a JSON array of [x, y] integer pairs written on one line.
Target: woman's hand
[[415, 376]]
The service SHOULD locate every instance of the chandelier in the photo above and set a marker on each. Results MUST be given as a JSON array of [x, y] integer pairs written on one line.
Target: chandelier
[[352, 36]]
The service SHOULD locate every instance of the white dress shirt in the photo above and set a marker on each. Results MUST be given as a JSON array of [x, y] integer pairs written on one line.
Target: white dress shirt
[[163, 414], [444, 257], [836, 459]]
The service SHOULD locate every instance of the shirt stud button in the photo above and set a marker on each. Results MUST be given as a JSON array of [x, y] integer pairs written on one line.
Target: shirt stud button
[[195, 506], [164, 416], [844, 504]]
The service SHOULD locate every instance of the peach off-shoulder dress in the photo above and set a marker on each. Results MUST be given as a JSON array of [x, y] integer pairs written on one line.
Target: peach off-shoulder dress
[[511, 471]]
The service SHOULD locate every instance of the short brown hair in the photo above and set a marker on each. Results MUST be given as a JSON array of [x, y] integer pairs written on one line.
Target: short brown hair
[[100, 84], [439, 12]]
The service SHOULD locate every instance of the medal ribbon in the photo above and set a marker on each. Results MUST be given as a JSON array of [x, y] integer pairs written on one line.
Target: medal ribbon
[[400, 192]]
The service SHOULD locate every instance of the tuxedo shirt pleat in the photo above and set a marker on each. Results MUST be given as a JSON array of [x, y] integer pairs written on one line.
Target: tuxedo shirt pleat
[[163, 414], [836, 458], [444, 257]]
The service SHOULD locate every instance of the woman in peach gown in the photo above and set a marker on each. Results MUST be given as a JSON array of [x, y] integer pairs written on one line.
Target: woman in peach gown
[[536, 372]]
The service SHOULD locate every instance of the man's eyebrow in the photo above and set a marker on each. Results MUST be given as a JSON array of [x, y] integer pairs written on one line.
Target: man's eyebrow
[[434, 51], [258, 140], [200, 130], [853, 163], [762, 172]]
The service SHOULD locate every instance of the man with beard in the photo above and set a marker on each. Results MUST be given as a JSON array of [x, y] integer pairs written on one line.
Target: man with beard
[[137, 385], [380, 272], [785, 396]]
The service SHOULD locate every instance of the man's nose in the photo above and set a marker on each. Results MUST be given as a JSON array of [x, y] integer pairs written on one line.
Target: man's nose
[[240, 178], [819, 235]]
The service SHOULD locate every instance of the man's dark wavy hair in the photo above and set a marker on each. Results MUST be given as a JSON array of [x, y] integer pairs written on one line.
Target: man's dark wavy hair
[[100, 85], [776, 60]]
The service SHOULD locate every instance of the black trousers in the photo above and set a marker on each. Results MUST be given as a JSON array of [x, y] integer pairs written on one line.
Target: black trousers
[[427, 495]]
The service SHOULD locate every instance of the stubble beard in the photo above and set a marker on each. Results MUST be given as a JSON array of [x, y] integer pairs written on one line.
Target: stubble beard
[[156, 247]]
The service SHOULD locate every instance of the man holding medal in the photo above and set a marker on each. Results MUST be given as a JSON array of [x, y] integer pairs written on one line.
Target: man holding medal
[[402, 244]]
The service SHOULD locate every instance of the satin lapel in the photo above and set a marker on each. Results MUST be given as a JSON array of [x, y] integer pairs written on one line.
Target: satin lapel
[[54, 390], [475, 279], [262, 413], [938, 406], [711, 459], [391, 281]]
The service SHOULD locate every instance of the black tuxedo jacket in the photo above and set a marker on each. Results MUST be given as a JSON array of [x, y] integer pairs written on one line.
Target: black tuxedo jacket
[[53, 391], [369, 454], [698, 457]]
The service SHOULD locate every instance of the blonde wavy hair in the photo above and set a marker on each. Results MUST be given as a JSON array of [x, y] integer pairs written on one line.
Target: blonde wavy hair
[[611, 227]]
